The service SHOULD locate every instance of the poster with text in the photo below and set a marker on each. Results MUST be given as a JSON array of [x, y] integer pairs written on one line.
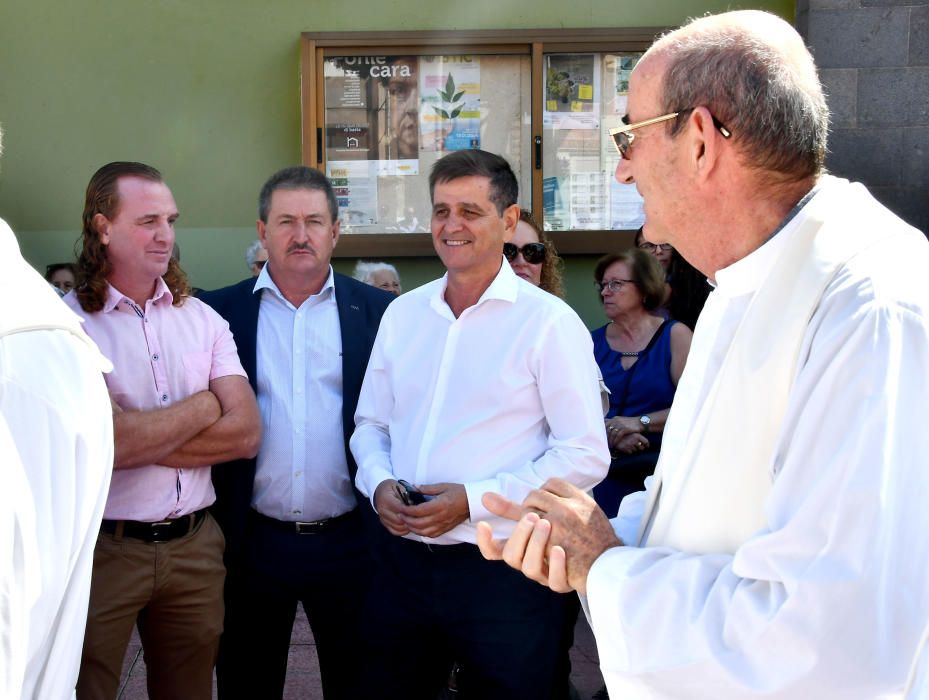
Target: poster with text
[[372, 111], [450, 113]]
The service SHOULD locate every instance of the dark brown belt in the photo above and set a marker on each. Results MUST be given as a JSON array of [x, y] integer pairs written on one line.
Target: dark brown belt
[[312, 527], [163, 531]]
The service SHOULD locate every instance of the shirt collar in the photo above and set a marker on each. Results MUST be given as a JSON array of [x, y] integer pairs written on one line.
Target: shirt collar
[[265, 281], [114, 296], [504, 287]]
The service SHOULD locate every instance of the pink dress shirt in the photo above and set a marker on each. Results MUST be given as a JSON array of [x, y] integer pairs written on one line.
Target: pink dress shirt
[[161, 354]]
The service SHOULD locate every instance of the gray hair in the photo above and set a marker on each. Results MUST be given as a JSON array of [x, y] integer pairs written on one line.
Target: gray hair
[[753, 72], [297, 177], [364, 271], [252, 252]]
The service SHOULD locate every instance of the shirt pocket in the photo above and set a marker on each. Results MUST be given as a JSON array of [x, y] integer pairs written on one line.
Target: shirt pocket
[[197, 367]]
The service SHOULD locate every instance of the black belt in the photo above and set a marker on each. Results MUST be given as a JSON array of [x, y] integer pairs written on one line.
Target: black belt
[[312, 527], [163, 531]]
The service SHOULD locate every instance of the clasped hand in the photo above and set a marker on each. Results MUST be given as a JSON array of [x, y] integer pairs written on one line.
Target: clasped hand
[[624, 435], [446, 510], [560, 532]]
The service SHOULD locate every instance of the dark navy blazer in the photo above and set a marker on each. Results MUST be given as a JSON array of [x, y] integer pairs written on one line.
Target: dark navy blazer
[[360, 309]]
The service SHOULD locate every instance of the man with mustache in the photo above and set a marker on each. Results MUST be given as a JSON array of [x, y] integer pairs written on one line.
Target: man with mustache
[[292, 523]]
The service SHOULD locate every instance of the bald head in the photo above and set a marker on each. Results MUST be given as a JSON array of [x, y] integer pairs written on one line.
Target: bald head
[[753, 72]]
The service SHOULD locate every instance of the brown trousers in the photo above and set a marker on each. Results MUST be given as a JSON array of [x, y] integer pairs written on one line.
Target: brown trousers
[[174, 592]]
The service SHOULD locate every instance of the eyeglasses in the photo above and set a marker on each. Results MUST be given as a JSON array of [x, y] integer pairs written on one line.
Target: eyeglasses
[[650, 247], [533, 253], [612, 285], [623, 140]]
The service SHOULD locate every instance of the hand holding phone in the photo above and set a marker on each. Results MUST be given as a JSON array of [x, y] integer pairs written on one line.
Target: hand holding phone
[[410, 495]]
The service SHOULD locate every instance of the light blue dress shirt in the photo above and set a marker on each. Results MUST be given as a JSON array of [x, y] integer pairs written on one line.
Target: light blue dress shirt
[[302, 471]]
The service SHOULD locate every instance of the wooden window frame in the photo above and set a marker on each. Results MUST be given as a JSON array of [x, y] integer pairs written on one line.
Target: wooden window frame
[[535, 43]]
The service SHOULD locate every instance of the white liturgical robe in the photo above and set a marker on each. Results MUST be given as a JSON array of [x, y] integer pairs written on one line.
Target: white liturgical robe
[[54, 402], [829, 596]]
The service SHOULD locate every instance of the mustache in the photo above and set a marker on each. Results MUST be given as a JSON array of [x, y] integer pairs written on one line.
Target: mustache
[[300, 246]]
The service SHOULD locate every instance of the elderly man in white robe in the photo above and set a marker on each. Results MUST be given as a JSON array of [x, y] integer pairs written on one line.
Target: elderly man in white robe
[[782, 548]]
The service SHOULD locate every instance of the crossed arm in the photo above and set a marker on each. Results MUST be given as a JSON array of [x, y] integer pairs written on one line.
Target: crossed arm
[[211, 426]]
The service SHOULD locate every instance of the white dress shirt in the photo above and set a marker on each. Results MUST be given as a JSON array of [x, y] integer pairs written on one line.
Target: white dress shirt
[[829, 599], [499, 399], [55, 405], [302, 469]]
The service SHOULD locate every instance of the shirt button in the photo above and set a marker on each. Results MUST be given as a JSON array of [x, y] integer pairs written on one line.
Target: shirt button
[[164, 397], [155, 357]]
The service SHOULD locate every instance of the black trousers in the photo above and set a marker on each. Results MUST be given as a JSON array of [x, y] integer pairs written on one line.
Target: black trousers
[[329, 573], [432, 605]]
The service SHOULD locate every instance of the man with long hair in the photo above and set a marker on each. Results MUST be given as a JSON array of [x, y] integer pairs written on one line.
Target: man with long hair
[[181, 402]]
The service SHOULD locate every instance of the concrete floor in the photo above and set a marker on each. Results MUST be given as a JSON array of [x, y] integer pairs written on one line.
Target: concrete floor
[[303, 681]]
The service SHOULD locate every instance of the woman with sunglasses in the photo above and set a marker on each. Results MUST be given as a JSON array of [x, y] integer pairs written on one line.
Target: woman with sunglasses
[[532, 256], [641, 357]]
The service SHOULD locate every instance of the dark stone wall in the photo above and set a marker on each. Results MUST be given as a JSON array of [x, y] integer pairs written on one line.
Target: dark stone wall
[[873, 57]]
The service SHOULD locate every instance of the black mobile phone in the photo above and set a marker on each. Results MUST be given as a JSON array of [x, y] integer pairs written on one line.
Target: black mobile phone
[[411, 495]]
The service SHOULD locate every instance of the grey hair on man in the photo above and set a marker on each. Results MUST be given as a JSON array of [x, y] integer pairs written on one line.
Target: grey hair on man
[[766, 92]]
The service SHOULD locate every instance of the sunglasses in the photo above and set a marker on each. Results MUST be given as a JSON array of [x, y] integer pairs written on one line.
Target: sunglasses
[[623, 139], [533, 253]]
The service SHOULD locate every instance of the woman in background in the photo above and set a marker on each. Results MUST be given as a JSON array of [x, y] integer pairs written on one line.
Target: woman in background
[[533, 257], [687, 288], [641, 357], [61, 276], [378, 274]]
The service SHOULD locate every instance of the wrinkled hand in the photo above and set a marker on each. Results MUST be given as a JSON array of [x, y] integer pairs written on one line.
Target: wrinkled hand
[[388, 505], [559, 535], [448, 509]]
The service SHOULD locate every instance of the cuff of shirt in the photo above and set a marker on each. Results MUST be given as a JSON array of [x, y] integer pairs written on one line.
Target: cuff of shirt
[[371, 480], [476, 489], [604, 585]]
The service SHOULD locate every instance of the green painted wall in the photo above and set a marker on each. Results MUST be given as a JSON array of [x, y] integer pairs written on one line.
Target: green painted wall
[[209, 93]]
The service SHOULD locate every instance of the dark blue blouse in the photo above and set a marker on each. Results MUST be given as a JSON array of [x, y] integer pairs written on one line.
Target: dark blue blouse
[[646, 386]]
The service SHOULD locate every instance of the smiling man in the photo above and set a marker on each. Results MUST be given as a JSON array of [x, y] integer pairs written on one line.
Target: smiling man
[[478, 382], [781, 549], [181, 402], [294, 531]]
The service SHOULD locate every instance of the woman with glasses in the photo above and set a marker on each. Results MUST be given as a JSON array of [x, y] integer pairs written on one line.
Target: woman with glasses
[[641, 357], [532, 256], [687, 289], [663, 252]]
